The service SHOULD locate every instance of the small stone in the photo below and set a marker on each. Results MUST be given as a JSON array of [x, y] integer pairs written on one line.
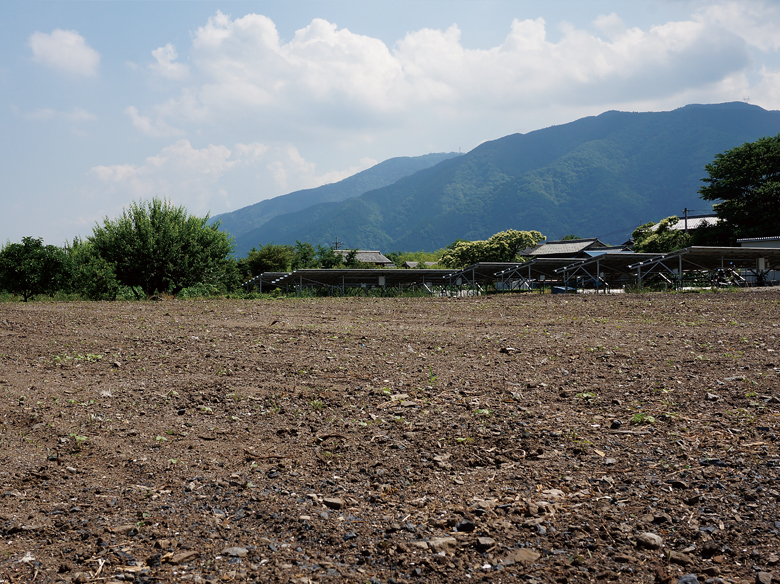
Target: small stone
[[235, 552], [623, 559], [183, 558], [485, 543], [333, 502], [711, 571], [764, 578], [523, 556], [420, 545], [650, 541], [443, 544], [350, 536], [688, 579], [610, 462], [127, 530], [712, 397], [465, 526], [80, 578], [616, 424], [676, 557]]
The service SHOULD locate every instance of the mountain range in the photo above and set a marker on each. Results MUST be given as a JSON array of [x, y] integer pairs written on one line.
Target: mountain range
[[599, 176]]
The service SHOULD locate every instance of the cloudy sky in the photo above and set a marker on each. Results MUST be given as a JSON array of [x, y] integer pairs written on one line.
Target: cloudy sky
[[218, 105]]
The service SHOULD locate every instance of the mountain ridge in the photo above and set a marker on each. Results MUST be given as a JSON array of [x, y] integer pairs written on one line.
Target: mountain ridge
[[597, 176], [253, 216]]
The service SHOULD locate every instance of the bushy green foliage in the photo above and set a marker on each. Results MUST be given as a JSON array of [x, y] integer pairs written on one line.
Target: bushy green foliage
[[746, 183], [160, 248], [30, 268], [663, 239], [328, 258], [305, 256], [501, 247], [269, 258], [92, 276]]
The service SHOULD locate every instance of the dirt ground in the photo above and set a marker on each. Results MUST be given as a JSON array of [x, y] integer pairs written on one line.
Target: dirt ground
[[513, 438]]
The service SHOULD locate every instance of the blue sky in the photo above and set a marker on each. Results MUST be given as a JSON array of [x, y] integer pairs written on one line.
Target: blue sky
[[218, 105]]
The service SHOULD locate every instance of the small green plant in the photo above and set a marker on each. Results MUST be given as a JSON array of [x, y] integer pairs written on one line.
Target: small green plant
[[464, 440], [484, 412], [80, 440], [431, 377], [586, 395], [316, 404], [642, 418]]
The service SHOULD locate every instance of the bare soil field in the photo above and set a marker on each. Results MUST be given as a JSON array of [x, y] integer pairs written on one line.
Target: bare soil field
[[514, 438]]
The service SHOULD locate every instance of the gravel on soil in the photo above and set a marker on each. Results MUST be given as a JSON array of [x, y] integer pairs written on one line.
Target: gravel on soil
[[507, 438]]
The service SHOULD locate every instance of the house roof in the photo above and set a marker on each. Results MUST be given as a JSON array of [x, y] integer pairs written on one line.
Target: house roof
[[367, 256], [564, 247], [694, 222], [415, 264]]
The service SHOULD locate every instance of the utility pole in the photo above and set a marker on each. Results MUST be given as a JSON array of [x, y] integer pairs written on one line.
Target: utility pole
[[686, 219], [337, 244]]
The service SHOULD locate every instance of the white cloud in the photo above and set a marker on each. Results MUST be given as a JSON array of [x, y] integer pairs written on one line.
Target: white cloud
[[216, 176], [757, 22], [157, 129], [166, 66], [64, 50], [326, 77]]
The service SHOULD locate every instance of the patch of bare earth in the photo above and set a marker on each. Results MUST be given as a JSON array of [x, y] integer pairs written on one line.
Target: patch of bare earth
[[526, 438]]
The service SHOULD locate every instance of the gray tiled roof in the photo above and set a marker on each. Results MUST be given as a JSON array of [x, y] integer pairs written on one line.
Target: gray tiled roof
[[568, 247], [367, 256]]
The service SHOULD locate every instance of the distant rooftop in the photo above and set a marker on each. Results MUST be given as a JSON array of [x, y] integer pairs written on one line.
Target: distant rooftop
[[367, 257], [694, 222], [564, 247]]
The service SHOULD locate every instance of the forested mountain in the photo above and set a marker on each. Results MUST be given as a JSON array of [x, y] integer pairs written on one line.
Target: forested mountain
[[598, 176], [385, 173]]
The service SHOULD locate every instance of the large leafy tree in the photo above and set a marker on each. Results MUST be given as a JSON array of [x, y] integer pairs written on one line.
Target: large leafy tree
[[30, 268], [501, 247], [745, 182], [160, 248]]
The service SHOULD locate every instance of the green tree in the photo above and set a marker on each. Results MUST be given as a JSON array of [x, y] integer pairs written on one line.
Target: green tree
[[501, 247], [351, 261], [30, 268], [746, 183], [269, 258], [662, 239], [305, 256], [328, 258], [160, 248], [570, 237], [91, 275]]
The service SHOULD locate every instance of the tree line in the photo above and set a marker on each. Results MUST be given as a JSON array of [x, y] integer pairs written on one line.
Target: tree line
[[155, 247]]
